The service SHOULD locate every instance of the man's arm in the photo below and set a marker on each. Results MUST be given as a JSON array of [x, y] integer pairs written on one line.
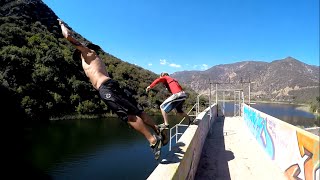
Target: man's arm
[[68, 35], [154, 83]]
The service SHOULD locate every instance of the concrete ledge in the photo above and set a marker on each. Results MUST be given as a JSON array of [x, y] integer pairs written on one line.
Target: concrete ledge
[[182, 161]]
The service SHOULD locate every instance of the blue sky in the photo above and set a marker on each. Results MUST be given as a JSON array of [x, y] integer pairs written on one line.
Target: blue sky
[[177, 35]]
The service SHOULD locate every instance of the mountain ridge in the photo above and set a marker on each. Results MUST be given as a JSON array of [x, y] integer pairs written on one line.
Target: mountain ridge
[[285, 79]]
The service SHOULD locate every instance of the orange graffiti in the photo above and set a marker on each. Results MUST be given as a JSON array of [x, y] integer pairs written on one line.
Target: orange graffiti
[[309, 146], [292, 172]]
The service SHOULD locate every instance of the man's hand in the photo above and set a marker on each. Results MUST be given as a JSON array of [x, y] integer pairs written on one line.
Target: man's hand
[[67, 34], [64, 29], [148, 88], [60, 21]]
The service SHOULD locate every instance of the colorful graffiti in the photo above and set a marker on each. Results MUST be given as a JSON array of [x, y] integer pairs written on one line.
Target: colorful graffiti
[[295, 151], [259, 128], [308, 166]]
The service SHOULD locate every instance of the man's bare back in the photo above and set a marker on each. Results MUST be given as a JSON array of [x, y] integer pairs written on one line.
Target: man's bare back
[[92, 65], [94, 68]]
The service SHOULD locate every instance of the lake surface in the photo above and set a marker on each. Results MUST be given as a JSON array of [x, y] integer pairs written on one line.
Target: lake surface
[[285, 112], [94, 149], [106, 148]]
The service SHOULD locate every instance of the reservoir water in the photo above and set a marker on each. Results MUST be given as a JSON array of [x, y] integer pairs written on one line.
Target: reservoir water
[[285, 112], [92, 149], [106, 148]]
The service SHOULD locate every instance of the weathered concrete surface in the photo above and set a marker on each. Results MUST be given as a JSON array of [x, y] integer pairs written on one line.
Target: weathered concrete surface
[[231, 152], [181, 162], [314, 130]]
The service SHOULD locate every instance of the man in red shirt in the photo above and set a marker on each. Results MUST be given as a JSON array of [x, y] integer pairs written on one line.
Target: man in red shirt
[[175, 101]]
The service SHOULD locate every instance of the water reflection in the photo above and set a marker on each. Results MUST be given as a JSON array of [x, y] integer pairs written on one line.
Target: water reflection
[[92, 149]]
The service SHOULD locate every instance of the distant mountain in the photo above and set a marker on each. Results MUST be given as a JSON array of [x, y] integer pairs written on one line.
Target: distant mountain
[[280, 80]]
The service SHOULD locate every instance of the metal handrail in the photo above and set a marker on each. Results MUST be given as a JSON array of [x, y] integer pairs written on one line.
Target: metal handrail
[[197, 106], [177, 126]]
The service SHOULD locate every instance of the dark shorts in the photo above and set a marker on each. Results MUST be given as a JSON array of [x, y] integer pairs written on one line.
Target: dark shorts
[[119, 100]]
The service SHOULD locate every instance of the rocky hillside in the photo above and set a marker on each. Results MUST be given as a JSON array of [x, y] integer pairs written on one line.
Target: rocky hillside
[[280, 80]]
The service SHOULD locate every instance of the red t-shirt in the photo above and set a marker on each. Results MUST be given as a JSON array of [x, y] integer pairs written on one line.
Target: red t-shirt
[[172, 85]]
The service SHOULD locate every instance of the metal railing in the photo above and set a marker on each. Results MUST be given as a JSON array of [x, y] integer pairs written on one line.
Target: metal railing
[[176, 127]]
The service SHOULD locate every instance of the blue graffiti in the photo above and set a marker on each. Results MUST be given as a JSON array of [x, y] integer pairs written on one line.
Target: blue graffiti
[[258, 127]]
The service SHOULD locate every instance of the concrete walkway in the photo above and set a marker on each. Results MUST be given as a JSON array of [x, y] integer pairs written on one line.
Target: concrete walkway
[[231, 152]]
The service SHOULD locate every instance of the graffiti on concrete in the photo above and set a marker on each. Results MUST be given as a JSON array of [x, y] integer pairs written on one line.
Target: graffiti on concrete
[[295, 150], [308, 165], [259, 128]]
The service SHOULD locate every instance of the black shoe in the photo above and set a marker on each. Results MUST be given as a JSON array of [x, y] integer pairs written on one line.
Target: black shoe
[[191, 121], [156, 149], [163, 129]]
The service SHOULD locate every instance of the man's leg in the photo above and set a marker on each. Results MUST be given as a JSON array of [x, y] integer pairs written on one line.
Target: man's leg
[[185, 115], [166, 107], [165, 117], [155, 140], [148, 121], [180, 112], [137, 123], [157, 129]]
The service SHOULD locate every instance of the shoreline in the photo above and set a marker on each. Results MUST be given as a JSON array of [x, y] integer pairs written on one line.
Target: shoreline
[[94, 116], [300, 106]]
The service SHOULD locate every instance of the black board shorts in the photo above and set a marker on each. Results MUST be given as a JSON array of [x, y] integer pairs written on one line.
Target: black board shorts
[[119, 100]]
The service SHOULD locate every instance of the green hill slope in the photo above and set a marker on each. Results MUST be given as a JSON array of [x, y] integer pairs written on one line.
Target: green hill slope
[[38, 69]]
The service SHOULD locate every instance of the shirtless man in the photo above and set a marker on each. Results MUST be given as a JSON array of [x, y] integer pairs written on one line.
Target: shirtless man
[[116, 98]]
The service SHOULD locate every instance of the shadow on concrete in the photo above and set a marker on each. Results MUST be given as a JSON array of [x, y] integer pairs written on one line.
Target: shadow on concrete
[[214, 158], [175, 155]]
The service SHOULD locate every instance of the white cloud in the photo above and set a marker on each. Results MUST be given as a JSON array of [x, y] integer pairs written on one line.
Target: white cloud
[[175, 65], [149, 64], [204, 66], [163, 61], [201, 67]]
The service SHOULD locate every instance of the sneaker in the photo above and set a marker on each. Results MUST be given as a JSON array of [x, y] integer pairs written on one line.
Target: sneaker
[[164, 133], [191, 120], [162, 126], [156, 149]]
